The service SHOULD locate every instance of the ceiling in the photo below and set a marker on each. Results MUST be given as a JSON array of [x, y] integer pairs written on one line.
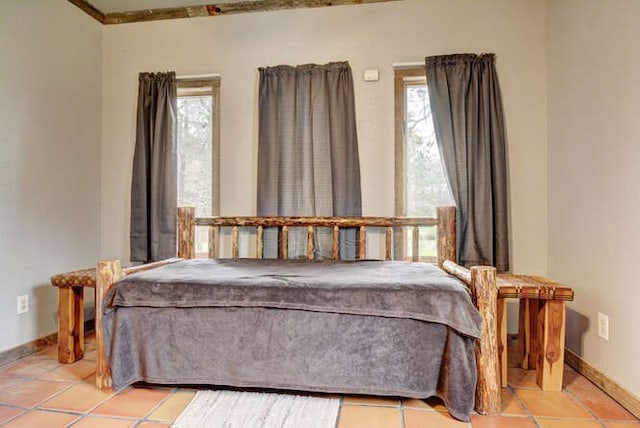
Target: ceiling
[[114, 6]]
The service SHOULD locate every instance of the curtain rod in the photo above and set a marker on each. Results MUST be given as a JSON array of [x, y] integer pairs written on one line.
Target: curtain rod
[[199, 76], [408, 64]]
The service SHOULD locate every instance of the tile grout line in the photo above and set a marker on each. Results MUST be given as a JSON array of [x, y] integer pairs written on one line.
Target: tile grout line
[[14, 417], [145, 418], [88, 411], [582, 405], [526, 409]]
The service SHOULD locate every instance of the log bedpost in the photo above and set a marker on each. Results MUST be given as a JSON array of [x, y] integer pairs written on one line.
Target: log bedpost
[[186, 232], [483, 285], [107, 273], [446, 235], [484, 292]]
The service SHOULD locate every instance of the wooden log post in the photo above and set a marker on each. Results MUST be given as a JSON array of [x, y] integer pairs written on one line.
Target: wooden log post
[[501, 332], [70, 324], [484, 292], [235, 246], [362, 243], [446, 235], [335, 246], [550, 356], [528, 338], [259, 242], [415, 244], [310, 243], [214, 237], [388, 242], [186, 232], [107, 273], [284, 242]]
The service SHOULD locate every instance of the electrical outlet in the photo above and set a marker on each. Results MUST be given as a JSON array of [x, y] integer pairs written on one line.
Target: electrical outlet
[[23, 304], [603, 326]]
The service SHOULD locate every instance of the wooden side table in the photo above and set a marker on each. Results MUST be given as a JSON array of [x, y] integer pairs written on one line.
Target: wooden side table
[[71, 312], [541, 326]]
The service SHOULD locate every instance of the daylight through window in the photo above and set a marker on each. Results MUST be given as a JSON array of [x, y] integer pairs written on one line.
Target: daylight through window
[[421, 184], [198, 165]]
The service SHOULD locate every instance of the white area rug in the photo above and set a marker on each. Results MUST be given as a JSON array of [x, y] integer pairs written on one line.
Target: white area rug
[[234, 409]]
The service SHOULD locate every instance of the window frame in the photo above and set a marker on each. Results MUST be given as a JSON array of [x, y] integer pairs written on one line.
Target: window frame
[[193, 87], [403, 77]]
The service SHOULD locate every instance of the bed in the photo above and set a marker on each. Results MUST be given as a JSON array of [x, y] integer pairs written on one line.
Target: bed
[[375, 327]]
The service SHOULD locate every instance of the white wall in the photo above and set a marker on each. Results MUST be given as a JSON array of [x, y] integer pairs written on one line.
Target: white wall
[[594, 175], [50, 121], [375, 35]]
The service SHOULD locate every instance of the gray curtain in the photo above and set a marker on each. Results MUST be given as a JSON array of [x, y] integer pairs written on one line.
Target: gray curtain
[[308, 161], [469, 124], [154, 184]]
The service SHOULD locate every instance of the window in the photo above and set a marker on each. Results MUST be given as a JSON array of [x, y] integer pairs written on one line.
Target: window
[[421, 184], [198, 159]]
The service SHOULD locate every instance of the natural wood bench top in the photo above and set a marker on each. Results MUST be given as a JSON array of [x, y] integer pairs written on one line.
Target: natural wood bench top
[[531, 287], [78, 278]]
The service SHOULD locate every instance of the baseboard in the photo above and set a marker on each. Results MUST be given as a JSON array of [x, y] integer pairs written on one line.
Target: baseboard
[[626, 399], [36, 345]]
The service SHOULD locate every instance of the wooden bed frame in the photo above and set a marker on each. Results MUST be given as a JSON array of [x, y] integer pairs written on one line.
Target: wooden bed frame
[[480, 279]]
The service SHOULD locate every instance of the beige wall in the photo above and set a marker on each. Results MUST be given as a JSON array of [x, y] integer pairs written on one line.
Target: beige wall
[[594, 175], [368, 36], [50, 121]]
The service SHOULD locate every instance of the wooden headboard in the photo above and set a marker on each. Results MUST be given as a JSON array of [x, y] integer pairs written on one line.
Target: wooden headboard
[[444, 222]]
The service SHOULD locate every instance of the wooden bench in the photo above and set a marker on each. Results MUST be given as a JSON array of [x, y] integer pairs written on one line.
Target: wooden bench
[[541, 326], [71, 312]]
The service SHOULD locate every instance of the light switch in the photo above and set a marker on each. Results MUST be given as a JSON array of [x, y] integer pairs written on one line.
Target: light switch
[[371, 75]]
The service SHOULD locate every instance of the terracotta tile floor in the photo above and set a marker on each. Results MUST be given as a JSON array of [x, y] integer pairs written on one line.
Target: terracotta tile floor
[[38, 392]]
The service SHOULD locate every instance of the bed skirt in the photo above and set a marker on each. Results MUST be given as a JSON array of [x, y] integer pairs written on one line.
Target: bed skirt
[[292, 350]]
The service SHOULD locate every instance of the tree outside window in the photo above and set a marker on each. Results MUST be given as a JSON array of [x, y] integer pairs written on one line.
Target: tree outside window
[[421, 184]]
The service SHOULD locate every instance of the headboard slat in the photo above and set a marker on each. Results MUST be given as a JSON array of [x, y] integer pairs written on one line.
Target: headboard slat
[[284, 242], [387, 243], [415, 244], [362, 243], [259, 242], [235, 249], [310, 243], [335, 248]]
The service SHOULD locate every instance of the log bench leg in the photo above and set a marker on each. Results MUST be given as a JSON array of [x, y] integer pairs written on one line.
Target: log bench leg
[[528, 340], [501, 317], [70, 324], [550, 358]]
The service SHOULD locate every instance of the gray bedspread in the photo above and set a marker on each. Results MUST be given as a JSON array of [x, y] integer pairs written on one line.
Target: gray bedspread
[[394, 289], [336, 327]]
